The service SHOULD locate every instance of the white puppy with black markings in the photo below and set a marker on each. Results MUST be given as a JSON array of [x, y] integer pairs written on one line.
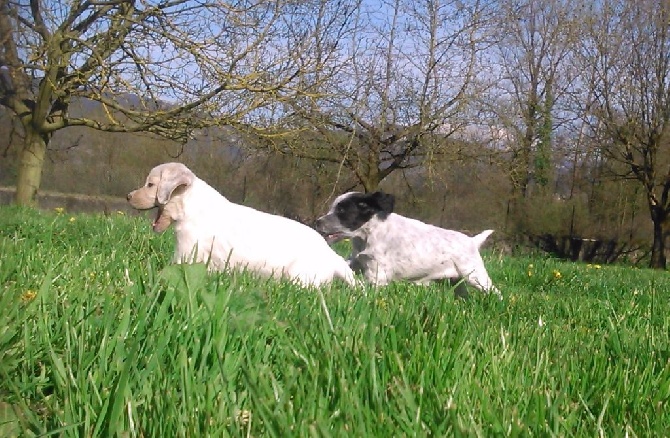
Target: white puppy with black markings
[[387, 246], [211, 229]]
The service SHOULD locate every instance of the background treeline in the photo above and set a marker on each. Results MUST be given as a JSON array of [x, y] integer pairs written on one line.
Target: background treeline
[[469, 192], [548, 120]]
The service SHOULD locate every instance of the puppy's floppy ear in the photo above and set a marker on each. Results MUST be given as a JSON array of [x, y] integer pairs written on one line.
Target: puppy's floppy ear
[[385, 201], [171, 178]]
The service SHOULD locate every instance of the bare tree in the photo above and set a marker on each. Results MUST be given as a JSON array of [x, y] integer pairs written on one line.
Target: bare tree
[[626, 60], [167, 67], [402, 89], [534, 38]]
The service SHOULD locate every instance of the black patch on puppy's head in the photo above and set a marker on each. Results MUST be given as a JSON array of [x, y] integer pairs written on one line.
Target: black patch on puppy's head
[[357, 209]]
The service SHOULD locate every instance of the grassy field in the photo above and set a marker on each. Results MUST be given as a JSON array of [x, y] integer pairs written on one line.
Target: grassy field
[[99, 338]]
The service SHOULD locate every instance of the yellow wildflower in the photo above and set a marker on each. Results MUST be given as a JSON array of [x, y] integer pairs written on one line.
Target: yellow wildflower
[[557, 274], [59, 210], [28, 295], [244, 417], [72, 219]]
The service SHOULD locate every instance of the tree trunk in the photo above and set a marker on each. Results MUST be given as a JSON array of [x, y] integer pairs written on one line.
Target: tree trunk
[[370, 178], [30, 168], [370, 184], [658, 217]]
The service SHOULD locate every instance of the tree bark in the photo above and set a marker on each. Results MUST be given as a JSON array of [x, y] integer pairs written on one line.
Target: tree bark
[[659, 218], [371, 181], [30, 168]]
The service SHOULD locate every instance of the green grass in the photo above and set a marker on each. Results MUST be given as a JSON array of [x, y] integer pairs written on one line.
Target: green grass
[[99, 338]]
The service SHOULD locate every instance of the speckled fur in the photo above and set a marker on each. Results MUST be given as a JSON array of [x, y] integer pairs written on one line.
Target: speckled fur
[[388, 246]]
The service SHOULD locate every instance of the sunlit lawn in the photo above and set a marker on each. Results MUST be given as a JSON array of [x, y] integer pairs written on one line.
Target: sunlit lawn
[[99, 338]]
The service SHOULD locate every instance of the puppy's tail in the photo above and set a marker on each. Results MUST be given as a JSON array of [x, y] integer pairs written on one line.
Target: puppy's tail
[[481, 237]]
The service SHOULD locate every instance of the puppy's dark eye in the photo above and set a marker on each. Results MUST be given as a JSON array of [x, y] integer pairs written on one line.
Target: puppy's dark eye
[[150, 184]]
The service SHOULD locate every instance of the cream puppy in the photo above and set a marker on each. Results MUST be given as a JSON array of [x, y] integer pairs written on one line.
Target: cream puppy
[[211, 229]]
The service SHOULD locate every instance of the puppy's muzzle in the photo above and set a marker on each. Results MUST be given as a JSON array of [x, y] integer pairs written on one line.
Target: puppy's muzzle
[[324, 225]]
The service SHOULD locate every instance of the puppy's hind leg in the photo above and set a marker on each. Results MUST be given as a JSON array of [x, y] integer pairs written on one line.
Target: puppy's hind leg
[[479, 278]]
